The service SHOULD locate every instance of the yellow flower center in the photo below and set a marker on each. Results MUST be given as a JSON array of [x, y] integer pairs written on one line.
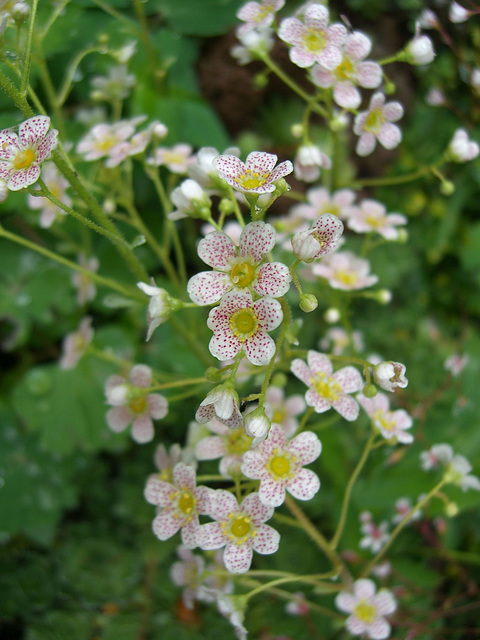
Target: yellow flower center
[[173, 157], [280, 464], [348, 278], [242, 274], [373, 221], [186, 502], [374, 121], [138, 404], [263, 13], [326, 387], [105, 144], [252, 179], [239, 528], [24, 159], [237, 442], [383, 420], [278, 416], [314, 41], [243, 324], [344, 71], [365, 611], [329, 207]]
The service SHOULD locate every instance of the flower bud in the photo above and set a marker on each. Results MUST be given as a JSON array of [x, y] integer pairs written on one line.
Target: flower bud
[[297, 130], [370, 390], [226, 206], [20, 13], [305, 246], [451, 510], [332, 315], [308, 302], [257, 425], [389, 375], [447, 188], [419, 51], [212, 374]]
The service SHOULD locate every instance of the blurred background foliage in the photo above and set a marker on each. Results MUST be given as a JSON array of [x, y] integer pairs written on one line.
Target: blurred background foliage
[[77, 556]]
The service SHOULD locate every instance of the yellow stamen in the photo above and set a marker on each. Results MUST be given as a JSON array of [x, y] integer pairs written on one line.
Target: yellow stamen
[[374, 121], [252, 179], [24, 159], [314, 41], [243, 324], [326, 387], [365, 611], [242, 274], [138, 405]]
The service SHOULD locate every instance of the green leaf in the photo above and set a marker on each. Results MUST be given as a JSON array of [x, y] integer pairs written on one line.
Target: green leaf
[[199, 17]]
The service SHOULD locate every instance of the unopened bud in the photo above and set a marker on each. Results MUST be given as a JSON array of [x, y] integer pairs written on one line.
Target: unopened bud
[[390, 87], [257, 425], [297, 130], [402, 236], [260, 81], [226, 206], [20, 13], [159, 131], [308, 302], [332, 315], [451, 510], [370, 390], [384, 296], [279, 380], [447, 188]]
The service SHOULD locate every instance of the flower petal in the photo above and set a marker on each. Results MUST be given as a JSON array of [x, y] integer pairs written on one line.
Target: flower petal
[[216, 249], [208, 287], [210, 536], [347, 407], [158, 406], [118, 418], [319, 363], [165, 525], [259, 349], [253, 506], [273, 279], [349, 379], [257, 239], [306, 447], [33, 130], [267, 540], [238, 558], [142, 429], [305, 485]]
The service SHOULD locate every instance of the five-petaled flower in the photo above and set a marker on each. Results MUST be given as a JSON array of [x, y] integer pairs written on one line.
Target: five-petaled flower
[[221, 403], [239, 324], [21, 155], [391, 424], [133, 403], [278, 464], [367, 609], [314, 41], [180, 503], [256, 14], [240, 528], [376, 124], [256, 175], [228, 444], [239, 267], [371, 216], [351, 71], [327, 389], [346, 271]]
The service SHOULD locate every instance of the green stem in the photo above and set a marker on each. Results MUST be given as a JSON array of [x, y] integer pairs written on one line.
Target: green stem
[[179, 383], [67, 83], [310, 100], [287, 317], [145, 38], [28, 49], [348, 492], [366, 571], [380, 182], [100, 280], [191, 340], [53, 17], [316, 536], [305, 419], [19, 100], [313, 579]]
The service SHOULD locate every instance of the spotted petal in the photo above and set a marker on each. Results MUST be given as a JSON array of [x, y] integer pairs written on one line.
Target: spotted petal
[[253, 506], [208, 287], [216, 249], [33, 130], [306, 447], [257, 239], [273, 279], [210, 536], [166, 525], [347, 407], [142, 429], [349, 379], [238, 558], [259, 349], [319, 363], [24, 178], [267, 540], [305, 485]]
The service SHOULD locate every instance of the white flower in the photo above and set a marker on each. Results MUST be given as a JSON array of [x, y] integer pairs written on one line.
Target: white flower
[[419, 50], [461, 148], [456, 363], [390, 375], [367, 609], [257, 425], [458, 472], [221, 403], [190, 200], [457, 13], [376, 124], [308, 162]]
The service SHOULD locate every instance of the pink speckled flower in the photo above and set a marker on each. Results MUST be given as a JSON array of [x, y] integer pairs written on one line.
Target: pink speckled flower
[[21, 155], [456, 363], [367, 609], [187, 572], [314, 41], [165, 461], [327, 389], [180, 503], [318, 241], [438, 454], [351, 71], [256, 14], [132, 403], [319, 201], [227, 444], [376, 123], [372, 215], [344, 270], [256, 175], [240, 528], [57, 185], [278, 464], [403, 506], [374, 536], [284, 411], [75, 344], [107, 141], [239, 268], [391, 424], [239, 324], [221, 403], [177, 158]]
